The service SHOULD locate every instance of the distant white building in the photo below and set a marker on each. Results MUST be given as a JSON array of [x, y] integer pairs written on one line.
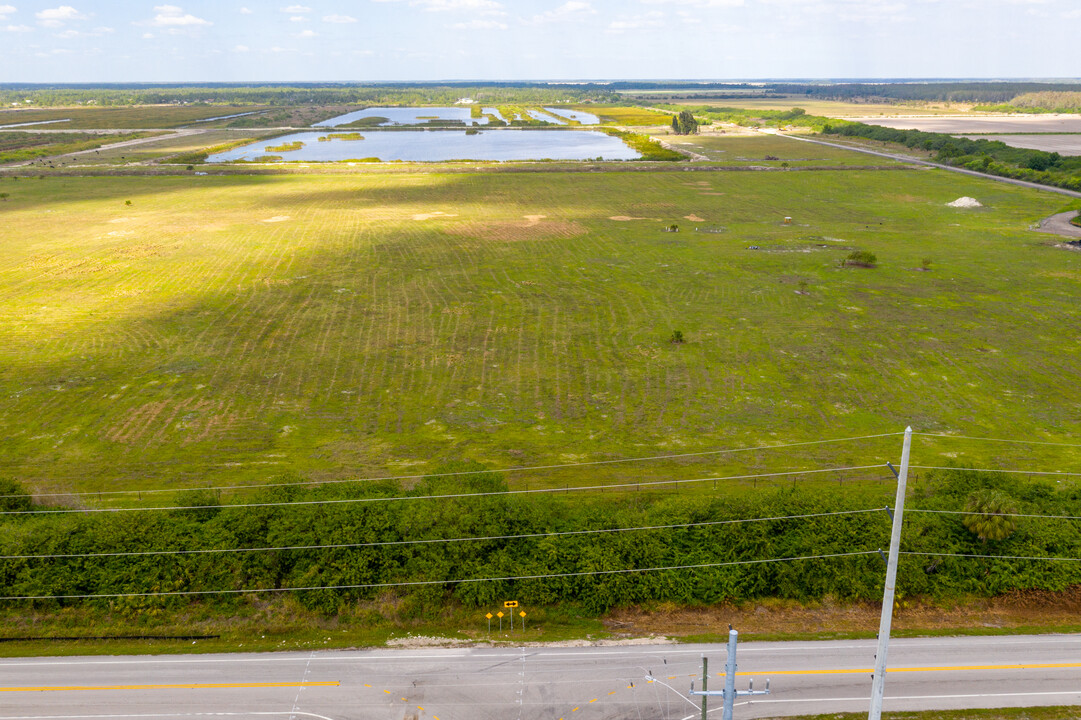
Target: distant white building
[[464, 101]]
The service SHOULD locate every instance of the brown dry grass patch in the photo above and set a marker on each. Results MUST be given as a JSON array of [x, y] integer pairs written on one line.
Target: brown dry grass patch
[[531, 228], [1017, 610]]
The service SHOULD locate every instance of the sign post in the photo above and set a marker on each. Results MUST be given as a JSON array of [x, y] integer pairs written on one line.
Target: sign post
[[500, 614], [522, 615], [489, 616], [511, 604]]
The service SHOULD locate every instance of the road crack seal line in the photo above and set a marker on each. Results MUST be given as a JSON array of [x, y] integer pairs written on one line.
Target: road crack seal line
[[303, 679]]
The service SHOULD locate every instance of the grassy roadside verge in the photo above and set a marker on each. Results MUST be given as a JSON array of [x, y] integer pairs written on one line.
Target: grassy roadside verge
[[264, 625]]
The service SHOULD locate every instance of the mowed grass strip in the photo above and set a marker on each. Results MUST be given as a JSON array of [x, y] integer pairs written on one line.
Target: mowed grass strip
[[227, 329]]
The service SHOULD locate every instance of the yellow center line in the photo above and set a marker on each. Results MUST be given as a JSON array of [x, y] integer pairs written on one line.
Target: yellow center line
[[185, 686], [944, 668]]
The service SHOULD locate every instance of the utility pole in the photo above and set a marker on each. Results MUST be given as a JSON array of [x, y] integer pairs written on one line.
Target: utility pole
[[729, 693], [878, 687], [705, 684]]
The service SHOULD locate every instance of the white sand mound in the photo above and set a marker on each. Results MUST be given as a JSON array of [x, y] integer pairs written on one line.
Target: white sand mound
[[277, 218], [965, 202]]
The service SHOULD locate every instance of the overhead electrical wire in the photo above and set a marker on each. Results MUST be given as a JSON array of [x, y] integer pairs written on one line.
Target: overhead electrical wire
[[449, 496], [1058, 473], [993, 557], [1001, 440], [432, 541], [460, 473], [416, 583], [994, 514]]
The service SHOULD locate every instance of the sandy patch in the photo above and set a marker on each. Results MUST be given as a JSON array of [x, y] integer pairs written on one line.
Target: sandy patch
[[715, 194], [510, 231], [277, 218], [625, 218], [436, 214], [423, 641], [694, 218], [534, 219], [965, 202], [120, 220]]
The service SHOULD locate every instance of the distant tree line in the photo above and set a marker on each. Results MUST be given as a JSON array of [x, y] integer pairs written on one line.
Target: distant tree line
[[538, 549]]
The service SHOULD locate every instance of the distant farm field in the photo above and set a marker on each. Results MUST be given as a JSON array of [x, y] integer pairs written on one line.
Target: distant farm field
[[140, 116], [225, 329], [768, 150]]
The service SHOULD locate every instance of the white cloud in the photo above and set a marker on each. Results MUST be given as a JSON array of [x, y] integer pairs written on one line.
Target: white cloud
[[17, 28], [55, 17], [339, 19], [307, 34], [697, 3], [6, 10], [636, 22], [479, 25], [171, 16], [568, 10], [294, 9], [241, 48], [148, 36], [245, 11], [484, 7]]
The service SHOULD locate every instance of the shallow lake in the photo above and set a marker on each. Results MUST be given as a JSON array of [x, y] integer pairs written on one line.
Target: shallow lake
[[407, 116], [441, 145], [582, 117]]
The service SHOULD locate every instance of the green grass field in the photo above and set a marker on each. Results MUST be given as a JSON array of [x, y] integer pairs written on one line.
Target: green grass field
[[227, 329], [754, 148]]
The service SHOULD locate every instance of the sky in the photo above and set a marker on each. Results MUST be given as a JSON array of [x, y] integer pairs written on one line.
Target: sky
[[433, 40]]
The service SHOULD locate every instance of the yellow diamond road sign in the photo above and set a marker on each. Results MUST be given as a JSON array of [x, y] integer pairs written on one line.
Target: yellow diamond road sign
[[500, 613], [489, 616], [522, 613]]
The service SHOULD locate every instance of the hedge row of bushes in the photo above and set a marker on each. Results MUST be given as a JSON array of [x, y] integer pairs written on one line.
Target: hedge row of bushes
[[210, 525]]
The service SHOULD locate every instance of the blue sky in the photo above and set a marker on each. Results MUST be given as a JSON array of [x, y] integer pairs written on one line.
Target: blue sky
[[427, 40]]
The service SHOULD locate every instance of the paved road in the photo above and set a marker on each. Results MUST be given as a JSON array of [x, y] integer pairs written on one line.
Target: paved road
[[542, 683], [1060, 225]]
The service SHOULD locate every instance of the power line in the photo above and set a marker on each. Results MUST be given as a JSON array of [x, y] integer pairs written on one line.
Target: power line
[[997, 514], [993, 557], [522, 468], [997, 470], [343, 501], [1002, 440], [415, 583], [435, 540]]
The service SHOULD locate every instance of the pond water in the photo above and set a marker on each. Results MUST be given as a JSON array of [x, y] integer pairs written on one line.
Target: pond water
[[441, 145], [545, 118], [582, 117], [406, 116]]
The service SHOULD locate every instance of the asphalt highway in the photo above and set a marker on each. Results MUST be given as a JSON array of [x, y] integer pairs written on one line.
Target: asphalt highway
[[546, 683]]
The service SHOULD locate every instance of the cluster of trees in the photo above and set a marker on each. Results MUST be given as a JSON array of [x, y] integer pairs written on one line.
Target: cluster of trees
[[363, 513], [684, 123], [1040, 102], [302, 94], [988, 156]]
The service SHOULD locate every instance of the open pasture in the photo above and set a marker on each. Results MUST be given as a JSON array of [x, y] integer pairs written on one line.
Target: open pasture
[[219, 330], [768, 150], [826, 108]]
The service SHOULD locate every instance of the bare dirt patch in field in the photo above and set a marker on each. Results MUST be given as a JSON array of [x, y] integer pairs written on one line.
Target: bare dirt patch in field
[[627, 218], [983, 124], [277, 218], [694, 218], [1062, 144], [512, 231], [431, 215], [1015, 610]]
